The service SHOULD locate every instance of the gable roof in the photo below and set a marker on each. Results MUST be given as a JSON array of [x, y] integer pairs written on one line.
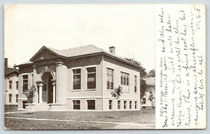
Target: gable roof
[[10, 71], [79, 51], [90, 49], [45, 48]]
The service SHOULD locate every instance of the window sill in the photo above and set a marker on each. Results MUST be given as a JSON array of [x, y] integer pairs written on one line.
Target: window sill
[[76, 90], [90, 89]]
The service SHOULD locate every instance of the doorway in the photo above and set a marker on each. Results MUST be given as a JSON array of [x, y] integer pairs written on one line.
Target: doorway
[[47, 92]]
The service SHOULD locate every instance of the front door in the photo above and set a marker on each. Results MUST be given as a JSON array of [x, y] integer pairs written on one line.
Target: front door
[[47, 92], [50, 92]]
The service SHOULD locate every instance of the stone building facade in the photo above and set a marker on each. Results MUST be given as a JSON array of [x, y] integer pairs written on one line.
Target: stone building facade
[[10, 85], [81, 78]]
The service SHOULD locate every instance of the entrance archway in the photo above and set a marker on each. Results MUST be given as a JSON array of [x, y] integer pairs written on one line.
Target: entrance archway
[[47, 91]]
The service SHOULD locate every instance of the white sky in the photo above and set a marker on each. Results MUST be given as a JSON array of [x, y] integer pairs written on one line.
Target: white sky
[[130, 28]]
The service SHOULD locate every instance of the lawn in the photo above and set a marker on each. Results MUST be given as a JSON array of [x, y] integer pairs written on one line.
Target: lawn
[[80, 120], [10, 108]]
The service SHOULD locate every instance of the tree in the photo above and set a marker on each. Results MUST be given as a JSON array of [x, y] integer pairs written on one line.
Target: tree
[[152, 98], [151, 73], [143, 72], [30, 93], [116, 92], [143, 87]]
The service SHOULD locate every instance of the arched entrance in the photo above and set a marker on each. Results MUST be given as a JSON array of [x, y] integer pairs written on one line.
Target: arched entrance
[[47, 91]]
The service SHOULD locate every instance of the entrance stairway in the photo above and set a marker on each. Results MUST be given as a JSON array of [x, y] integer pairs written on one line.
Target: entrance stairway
[[46, 107], [38, 107]]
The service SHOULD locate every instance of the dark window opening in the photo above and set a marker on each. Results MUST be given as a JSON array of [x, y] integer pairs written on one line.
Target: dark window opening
[[76, 78], [118, 104], [91, 104], [144, 101], [76, 104], [130, 105], [16, 98], [110, 104], [135, 86], [91, 78], [10, 98], [125, 103], [110, 78], [10, 84], [124, 78], [25, 83]]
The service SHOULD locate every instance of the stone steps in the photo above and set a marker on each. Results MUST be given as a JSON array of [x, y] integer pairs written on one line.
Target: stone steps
[[38, 107], [46, 107]]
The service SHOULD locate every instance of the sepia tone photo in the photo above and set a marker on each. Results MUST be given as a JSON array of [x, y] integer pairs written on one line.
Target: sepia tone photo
[[79, 67]]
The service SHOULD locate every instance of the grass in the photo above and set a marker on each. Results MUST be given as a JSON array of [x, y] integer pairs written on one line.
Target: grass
[[12, 124], [10, 108], [145, 116]]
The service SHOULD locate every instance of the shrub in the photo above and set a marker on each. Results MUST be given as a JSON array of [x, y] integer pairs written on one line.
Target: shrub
[[117, 92], [30, 93]]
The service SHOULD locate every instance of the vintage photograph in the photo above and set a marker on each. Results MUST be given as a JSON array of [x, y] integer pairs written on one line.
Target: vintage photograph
[[79, 67]]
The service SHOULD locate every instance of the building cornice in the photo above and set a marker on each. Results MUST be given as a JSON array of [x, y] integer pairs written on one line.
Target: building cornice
[[83, 56]]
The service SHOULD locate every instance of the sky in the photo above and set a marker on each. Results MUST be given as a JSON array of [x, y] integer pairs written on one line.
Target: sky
[[130, 28]]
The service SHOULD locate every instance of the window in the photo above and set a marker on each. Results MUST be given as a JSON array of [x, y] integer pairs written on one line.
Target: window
[[125, 103], [17, 85], [130, 104], [25, 83], [118, 104], [144, 101], [110, 78], [124, 78], [10, 84], [10, 98], [110, 104], [135, 82], [16, 98], [76, 104], [135, 104], [91, 104], [76, 78], [32, 78], [91, 78]]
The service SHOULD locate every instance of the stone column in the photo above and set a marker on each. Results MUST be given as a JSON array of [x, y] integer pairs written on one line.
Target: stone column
[[40, 92], [35, 99], [61, 83], [34, 75], [54, 91]]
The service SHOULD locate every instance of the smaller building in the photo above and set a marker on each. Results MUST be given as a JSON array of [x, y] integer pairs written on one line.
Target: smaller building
[[10, 86], [148, 100]]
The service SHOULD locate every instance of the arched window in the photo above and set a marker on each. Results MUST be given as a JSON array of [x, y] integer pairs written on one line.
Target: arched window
[[10, 84], [10, 98], [16, 98], [17, 85]]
